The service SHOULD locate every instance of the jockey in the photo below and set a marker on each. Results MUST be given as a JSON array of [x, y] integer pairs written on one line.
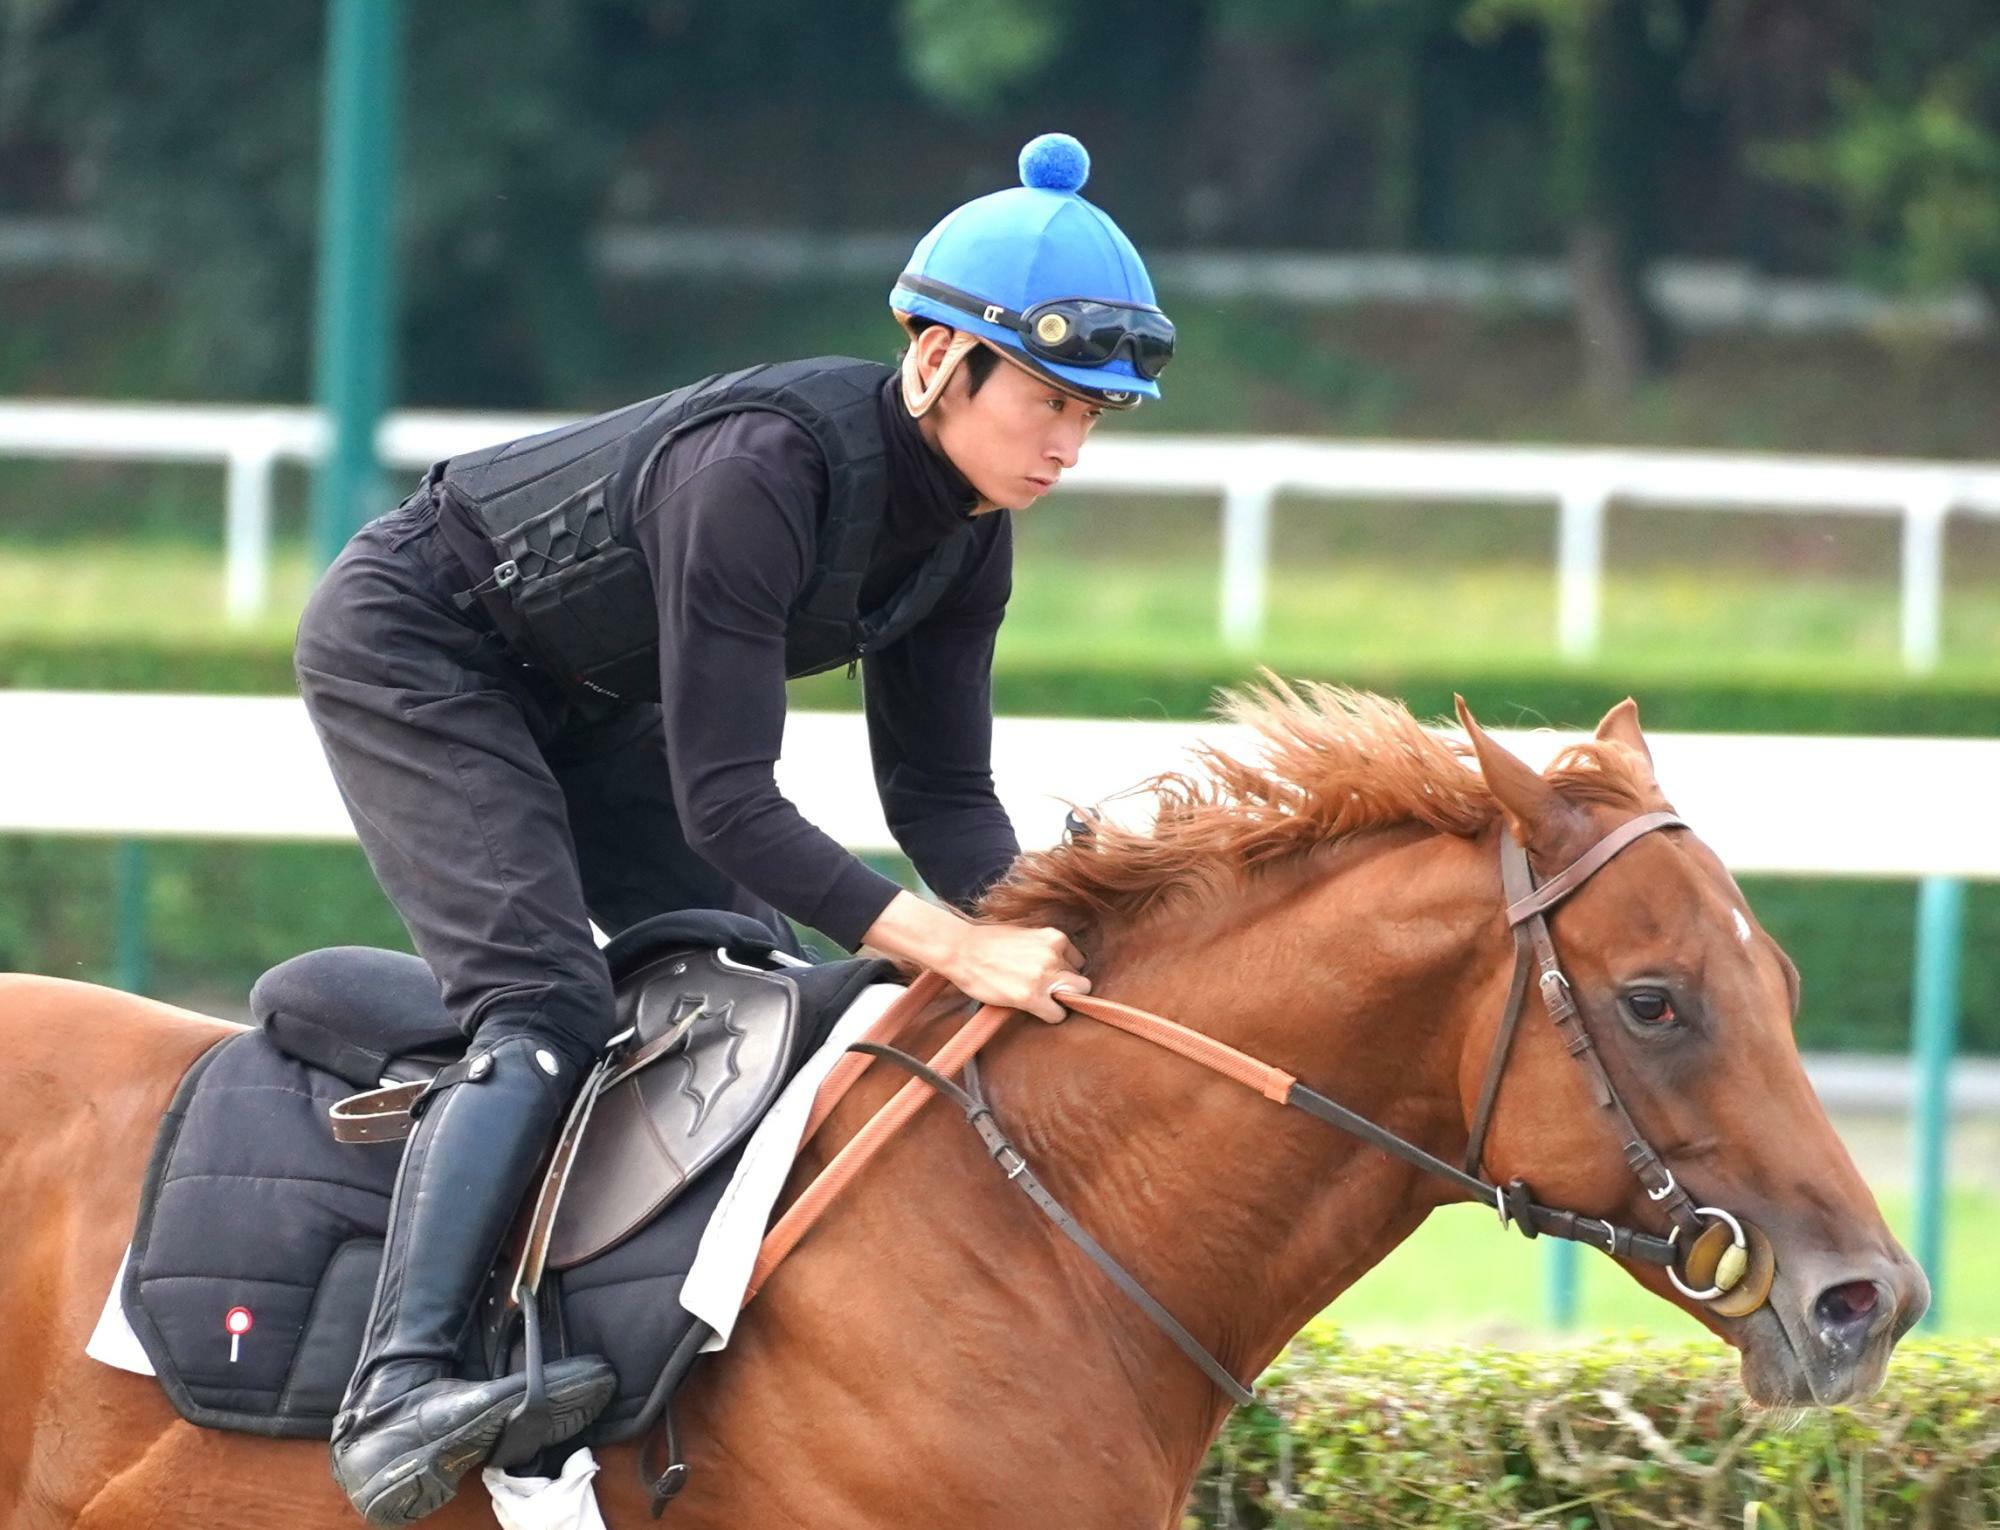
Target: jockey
[[551, 687]]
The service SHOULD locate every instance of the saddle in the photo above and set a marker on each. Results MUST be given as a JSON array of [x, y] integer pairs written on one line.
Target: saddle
[[251, 1267], [706, 1019]]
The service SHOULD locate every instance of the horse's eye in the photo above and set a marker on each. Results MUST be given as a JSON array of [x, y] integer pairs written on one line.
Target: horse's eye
[[1649, 1006]]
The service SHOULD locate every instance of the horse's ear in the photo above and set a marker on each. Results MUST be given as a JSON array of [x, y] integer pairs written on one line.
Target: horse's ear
[[1621, 726], [1535, 811]]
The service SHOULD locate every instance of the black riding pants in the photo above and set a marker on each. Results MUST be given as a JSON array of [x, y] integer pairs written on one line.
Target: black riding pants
[[497, 819]]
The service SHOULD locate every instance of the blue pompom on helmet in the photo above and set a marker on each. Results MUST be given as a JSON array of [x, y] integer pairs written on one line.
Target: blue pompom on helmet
[[1048, 279]]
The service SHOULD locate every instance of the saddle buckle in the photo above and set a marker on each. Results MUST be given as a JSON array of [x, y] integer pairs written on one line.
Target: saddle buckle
[[666, 1487]]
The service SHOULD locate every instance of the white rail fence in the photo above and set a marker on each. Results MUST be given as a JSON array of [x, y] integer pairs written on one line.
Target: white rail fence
[[249, 767], [1247, 473]]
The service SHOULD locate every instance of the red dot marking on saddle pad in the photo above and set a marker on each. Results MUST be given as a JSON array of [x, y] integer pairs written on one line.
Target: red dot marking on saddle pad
[[238, 1320]]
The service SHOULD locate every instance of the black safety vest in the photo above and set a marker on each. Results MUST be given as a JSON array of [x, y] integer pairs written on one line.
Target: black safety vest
[[568, 585]]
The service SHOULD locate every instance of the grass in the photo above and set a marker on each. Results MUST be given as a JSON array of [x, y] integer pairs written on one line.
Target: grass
[[165, 592], [1329, 606], [1460, 1278]]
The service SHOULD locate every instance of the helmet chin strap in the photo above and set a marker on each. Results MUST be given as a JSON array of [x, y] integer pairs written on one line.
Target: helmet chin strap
[[918, 395]]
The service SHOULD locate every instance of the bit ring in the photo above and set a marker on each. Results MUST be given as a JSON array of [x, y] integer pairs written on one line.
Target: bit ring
[[1673, 1237]]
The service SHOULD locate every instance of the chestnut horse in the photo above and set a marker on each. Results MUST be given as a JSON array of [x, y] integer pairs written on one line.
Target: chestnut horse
[[934, 1353]]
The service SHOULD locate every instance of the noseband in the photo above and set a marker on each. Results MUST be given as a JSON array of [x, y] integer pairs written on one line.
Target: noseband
[[1716, 1245]]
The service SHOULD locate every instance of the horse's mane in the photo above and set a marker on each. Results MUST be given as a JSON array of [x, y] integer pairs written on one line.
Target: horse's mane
[[1336, 762]]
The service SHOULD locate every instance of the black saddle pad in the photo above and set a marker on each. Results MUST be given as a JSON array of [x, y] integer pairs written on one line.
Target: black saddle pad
[[253, 1263]]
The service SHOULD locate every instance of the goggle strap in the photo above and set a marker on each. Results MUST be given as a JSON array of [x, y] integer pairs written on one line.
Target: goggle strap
[[964, 302]]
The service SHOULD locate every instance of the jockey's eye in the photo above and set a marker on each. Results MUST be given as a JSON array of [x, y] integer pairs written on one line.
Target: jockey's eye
[[1650, 1006]]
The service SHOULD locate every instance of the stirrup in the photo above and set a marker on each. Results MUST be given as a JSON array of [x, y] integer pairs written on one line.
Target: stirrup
[[527, 1432]]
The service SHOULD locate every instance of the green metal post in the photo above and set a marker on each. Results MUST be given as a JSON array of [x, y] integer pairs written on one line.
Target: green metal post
[[1559, 1284], [129, 959], [354, 340], [1934, 1029]]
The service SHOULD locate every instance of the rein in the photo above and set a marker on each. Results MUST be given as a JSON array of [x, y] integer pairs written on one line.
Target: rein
[[1716, 1240]]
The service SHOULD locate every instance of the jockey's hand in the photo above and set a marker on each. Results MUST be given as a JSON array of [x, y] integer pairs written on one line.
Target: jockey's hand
[[1017, 967], [1005, 964]]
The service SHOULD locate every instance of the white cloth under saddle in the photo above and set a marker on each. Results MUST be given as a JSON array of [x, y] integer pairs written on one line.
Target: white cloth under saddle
[[567, 1502], [713, 1290]]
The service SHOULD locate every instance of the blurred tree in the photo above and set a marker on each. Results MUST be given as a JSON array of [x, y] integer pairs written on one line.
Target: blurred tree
[[1297, 121], [1616, 129], [1610, 66], [196, 135], [1908, 152], [1762, 71], [1266, 104], [200, 133], [970, 57]]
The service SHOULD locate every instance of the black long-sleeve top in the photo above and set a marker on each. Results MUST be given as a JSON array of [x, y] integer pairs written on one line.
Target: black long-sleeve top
[[729, 528]]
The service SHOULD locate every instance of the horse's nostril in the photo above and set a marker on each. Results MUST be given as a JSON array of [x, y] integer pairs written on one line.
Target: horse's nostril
[[1847, 1304]]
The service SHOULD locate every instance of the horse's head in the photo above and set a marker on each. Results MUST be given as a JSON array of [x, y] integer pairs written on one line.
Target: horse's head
[[1690, 1005]]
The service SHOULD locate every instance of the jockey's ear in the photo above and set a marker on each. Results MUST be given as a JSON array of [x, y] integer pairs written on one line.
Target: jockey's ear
[[1536, 813], [1621, 726]]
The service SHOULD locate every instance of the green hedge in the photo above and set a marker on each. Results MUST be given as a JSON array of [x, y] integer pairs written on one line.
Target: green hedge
[[1588, 1438], [1559, 694], [218, 914]]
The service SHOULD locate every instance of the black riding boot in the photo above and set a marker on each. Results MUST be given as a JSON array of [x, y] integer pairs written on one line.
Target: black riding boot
[[407, 1431]]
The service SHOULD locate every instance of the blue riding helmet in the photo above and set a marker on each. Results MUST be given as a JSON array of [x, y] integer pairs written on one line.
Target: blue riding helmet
[[1046, 277]]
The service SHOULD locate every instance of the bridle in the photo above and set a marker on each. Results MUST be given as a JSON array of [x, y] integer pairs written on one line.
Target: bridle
[[1528, 905], [1720, 1249]]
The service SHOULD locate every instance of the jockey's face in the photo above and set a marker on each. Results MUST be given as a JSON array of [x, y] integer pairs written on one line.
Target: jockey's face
[[1014, 438]]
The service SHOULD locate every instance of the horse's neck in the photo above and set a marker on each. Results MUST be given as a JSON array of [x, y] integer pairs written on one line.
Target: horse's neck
[[1243, 1217]]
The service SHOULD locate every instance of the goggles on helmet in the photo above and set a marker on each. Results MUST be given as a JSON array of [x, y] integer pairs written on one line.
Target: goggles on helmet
[[1079, 332]]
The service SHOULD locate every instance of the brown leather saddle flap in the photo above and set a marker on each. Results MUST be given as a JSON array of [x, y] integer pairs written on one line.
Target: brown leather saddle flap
[[654, 1127]]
